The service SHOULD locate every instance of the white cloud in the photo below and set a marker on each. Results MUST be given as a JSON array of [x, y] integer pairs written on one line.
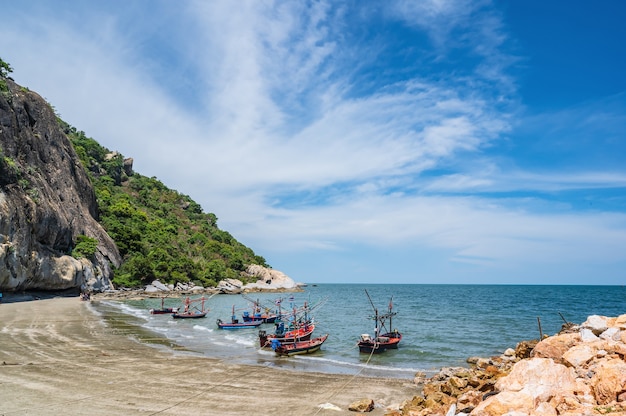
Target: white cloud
[[274, 115]]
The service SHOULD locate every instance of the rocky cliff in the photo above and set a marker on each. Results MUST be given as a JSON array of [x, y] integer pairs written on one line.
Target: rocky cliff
[[46, 203]]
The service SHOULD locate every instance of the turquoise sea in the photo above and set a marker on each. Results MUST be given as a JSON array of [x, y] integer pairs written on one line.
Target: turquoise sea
[[442, 325]]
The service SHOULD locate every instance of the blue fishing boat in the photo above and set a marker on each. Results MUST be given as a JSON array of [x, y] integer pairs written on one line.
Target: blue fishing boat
[[236, 324]]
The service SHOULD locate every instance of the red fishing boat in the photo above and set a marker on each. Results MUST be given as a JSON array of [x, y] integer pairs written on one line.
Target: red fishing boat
[[302, 333], [298, 347], [188, 313], [389, 339], [299, 326]]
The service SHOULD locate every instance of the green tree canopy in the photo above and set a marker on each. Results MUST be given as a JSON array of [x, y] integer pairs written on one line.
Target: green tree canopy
[[160, 233]]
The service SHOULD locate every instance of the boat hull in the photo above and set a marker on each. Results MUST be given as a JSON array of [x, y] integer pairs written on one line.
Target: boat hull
[[266, 319], [301, 347], [238, 325], [382, 343], [188, 315], [301, 334], [163, 311]]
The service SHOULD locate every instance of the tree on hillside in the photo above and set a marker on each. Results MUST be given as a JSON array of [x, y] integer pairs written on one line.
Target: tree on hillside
[[5, 69]]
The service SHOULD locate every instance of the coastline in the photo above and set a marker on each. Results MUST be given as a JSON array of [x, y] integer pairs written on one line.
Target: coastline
[[57, 355]]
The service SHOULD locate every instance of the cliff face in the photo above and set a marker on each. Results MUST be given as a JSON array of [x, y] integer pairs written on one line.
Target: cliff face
[[46, 202]]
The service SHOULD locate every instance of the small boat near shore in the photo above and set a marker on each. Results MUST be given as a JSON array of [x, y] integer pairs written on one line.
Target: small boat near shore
[[298, 347], [302, 333], [259, 312], [299, 327], [236, 324], [163, 310], [188, 313], [259, 316], [389, 339]]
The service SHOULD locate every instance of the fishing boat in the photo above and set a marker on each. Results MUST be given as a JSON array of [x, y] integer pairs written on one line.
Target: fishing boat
[[236, 324], [188, 313], [260, 312], [380, 342], [290, 328], [265, 318], [301, 333], [298, 347], [163, 309]]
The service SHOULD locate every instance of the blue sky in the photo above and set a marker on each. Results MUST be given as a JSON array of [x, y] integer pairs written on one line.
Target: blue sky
[[431, 141]]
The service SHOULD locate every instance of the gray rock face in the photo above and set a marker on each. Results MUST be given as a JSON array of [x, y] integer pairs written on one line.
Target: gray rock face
[[46, 201]]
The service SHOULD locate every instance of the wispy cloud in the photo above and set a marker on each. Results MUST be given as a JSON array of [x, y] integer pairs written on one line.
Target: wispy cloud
[[285, 119]]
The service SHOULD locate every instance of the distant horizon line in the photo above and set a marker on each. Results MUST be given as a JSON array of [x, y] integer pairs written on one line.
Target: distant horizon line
[[459, 284]]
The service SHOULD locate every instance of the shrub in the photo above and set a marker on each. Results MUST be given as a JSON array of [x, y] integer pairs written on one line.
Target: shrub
[[85, 247]]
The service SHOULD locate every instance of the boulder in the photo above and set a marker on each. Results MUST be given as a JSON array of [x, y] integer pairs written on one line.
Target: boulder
[[613, 334], [597, 324], [587, 335], [530, 383], [555, 346], [609, 380], [267, 278], [362, 405], [160, 286], [579, 355], [230, 286]]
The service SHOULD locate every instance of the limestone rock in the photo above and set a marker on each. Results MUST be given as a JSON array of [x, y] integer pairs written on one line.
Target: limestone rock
[[597, 324], [555, 346], [230, 286], [268, 278], [362, 405], [46, 202], [579, 355], [531, 382], [160, 286], [566, 375], [609, 380]]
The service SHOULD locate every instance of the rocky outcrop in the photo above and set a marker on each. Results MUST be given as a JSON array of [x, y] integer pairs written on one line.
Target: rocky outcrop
[[580, 371], [46, 203], [268, 279]]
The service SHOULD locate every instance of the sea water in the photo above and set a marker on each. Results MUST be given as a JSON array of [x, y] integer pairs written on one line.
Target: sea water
[[442, 325]]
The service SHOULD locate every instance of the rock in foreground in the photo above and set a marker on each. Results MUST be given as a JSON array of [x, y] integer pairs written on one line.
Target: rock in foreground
[[580, 371]]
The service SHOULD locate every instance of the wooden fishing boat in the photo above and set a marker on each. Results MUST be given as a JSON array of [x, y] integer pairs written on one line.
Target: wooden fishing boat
[[302, 333], [298, 327], [257, 315], [298, 347], [163, 310], [259, 312], [389, 339], [236, 324], [188, 313]]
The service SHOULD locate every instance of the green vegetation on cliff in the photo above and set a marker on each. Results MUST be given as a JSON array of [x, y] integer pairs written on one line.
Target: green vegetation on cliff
[[160, 233]]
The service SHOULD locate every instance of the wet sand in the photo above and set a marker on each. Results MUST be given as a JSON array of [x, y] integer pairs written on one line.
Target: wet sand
[[58, 357]]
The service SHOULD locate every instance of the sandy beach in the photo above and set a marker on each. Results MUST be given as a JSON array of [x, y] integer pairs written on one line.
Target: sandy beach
[[58, 357]]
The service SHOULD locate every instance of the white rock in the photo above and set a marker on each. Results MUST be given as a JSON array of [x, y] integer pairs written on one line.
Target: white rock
[[611, 334], [587, 335], [598, 324], [160, 286]]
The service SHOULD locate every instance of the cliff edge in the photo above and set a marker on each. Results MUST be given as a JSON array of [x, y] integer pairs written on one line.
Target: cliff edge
[[46, 203]]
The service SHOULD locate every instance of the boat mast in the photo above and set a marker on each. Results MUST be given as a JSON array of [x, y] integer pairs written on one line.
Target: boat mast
[[375, 313], [390, 314]]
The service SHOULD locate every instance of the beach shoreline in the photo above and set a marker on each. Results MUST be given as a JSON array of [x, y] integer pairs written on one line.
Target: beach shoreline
[[57, 356]]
